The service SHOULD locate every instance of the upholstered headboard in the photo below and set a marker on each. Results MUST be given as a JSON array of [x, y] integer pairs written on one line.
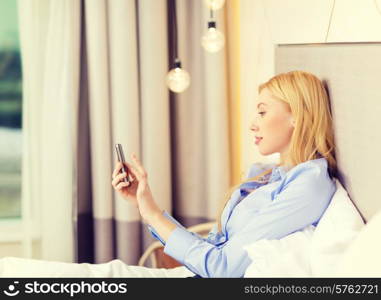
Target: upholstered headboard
[[352, 74]]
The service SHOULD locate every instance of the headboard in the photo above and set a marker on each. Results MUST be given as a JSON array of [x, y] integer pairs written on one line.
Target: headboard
[[352, 75]]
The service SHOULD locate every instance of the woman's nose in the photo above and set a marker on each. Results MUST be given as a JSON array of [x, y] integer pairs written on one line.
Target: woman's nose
[[253, 127]]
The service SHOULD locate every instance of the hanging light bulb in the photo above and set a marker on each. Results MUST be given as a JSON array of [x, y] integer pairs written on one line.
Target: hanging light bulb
[[213, 40], [178, 79], [215, 4]]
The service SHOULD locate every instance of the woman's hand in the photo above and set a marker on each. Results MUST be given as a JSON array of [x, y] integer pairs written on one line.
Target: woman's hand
[[138, 191], [126, 190]]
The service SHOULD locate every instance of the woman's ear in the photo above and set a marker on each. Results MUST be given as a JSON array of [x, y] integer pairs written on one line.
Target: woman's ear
[[292, 121]]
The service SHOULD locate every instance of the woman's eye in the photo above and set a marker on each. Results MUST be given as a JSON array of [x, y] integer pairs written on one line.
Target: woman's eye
[[262, 113]]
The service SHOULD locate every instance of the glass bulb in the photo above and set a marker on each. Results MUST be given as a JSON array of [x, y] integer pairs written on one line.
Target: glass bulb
[[213, 40], [214, 4], [178, 80]]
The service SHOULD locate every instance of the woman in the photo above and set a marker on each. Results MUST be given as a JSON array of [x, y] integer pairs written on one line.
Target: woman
[[294, 119]]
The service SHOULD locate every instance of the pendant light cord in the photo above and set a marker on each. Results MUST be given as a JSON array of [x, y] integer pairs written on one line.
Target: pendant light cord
[[330, 19], [174, 37]]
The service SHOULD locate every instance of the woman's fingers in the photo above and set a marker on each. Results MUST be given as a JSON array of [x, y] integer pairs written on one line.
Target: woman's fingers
[[118, 178], [121, 185], [136, 171], [118, 166]]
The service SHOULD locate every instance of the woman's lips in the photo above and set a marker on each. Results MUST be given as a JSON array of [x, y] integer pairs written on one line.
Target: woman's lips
[[257, 140]]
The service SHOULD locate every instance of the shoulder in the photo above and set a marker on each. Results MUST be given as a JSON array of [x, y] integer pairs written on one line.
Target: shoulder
[[316, 169], [257, 168], [310, 180]]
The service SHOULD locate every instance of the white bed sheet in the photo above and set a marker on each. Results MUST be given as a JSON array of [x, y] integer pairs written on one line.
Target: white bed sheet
[[25, 267]]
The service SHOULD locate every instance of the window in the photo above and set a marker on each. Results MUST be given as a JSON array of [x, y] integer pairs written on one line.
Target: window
[[10, 112]]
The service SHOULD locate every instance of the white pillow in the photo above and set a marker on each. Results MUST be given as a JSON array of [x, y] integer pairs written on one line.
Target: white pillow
[[362, 259], [287, 257], [311, 251], [339, 225]]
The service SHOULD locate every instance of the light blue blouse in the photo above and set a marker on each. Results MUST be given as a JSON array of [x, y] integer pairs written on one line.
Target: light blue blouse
[[290, 201]]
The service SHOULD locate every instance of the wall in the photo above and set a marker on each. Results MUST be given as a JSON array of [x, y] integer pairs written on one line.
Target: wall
[[265, 23]]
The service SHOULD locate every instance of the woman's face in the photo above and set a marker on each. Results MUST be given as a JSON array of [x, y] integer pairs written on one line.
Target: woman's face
[[273, 123]]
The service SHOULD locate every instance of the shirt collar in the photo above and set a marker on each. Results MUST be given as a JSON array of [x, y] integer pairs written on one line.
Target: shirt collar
[[278, 172]]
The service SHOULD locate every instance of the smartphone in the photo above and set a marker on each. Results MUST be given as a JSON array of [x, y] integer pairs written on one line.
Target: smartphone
[[120, 155]]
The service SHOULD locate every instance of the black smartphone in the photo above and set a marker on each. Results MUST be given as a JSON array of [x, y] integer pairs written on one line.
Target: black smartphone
[[120, 155]]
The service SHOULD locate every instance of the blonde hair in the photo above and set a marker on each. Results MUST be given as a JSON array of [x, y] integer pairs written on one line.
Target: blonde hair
[[312, 136]]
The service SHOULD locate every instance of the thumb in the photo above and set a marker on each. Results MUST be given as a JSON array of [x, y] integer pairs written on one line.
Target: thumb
[[134, 173]]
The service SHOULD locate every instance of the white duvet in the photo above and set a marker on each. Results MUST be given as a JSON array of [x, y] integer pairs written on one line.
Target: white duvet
[[23, 267]]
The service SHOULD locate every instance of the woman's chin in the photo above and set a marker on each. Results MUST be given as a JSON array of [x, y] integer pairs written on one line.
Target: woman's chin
[[262, 152], [265, 152]]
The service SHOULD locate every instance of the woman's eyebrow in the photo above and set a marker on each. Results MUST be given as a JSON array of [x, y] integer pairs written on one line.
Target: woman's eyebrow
[[260, 104]]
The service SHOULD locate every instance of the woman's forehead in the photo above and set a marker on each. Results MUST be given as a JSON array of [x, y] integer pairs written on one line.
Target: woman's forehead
[[267, 99]]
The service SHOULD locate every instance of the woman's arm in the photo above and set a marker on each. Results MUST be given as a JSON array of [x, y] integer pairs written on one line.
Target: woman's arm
[[163, 227]]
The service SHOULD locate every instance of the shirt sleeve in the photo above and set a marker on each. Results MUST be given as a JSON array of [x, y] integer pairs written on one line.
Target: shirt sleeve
[[155, 234], [295, 207]]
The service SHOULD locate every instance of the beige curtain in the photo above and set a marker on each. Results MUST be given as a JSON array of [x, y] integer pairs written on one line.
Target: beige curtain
[[201, 125], [119, 63], [50, 60], [128, 104], [177, 137]]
